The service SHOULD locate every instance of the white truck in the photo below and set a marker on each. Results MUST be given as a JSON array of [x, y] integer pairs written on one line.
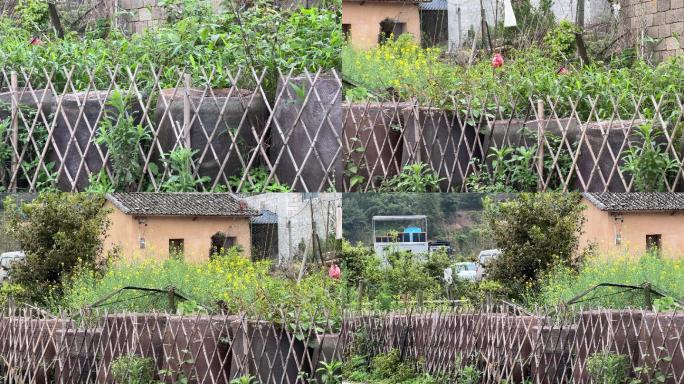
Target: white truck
[[483, 259], [412, 237]]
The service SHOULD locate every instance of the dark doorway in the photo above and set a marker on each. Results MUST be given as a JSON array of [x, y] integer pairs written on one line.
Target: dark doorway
[[220, 242], [390, 28]]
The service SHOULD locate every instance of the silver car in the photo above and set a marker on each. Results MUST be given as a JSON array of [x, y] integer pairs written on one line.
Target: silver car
[[466, 271]]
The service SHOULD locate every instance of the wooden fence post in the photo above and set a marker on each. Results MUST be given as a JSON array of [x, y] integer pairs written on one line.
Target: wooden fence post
[[540, 144], [648, 302], [15, 130], [187, 110]]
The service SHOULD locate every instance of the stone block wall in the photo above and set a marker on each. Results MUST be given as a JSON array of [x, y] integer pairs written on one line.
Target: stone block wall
[[138, 15], [662, 20]]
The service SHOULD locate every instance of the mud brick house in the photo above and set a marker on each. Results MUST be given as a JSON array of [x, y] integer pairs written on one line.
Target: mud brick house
[[163, 225], [635, 222], [368, 22]]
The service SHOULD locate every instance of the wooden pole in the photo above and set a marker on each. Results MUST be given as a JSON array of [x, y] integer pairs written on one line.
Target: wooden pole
[[187, 111], [648, 302], [172, 299], [15, 130], [540, 144]]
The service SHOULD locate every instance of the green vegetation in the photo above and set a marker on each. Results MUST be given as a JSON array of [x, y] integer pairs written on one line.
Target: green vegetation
[[132, 369], [229, 282], [413, 178], [406, 70], [650, 163], [206, 43], [534, 232], [608, 368], [386, 368], [562, 283], [59, 233]]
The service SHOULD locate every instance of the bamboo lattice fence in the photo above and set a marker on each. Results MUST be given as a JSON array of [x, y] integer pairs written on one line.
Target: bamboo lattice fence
[[504, 345], [251, 128]]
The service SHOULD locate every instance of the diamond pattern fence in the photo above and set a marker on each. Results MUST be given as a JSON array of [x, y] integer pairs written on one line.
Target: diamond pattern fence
[[515, 347], [253, 130], [151, 129], [95, 347], [497, 143], [504, 345]]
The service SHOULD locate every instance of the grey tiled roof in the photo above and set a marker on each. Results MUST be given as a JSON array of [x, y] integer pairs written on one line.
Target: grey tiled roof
[[181, 204], [266, 217], [637, 201], [434, 5]]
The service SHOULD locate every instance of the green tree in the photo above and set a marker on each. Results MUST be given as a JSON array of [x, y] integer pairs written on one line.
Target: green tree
[[534, 232], [58, 232]]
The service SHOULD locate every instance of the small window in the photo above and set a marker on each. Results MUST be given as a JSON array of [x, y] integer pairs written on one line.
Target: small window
[[346, 31], [176, 247], [653, 243]]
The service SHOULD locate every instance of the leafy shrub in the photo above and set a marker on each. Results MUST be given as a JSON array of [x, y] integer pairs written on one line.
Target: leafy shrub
[[387, 368], [132, 369], [33, 14], [330, 372], [413, 178], [666, 304], [58, 232], [390, 366], [122, 137], [514, 169], [534, 232], [649, 162], [257, 182], [9, 291], [181, 177], [470, 374], [608, 368], [561, 40]]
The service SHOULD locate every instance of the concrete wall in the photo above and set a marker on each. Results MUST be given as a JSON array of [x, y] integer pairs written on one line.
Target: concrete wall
[[365, 17], [125, 233], [595, 11], [659, 19], [601, 229], [465, 14], [294, 218]]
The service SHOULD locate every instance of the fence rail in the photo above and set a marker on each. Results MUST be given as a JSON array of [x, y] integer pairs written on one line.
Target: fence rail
[[250, 130], [503, 345]]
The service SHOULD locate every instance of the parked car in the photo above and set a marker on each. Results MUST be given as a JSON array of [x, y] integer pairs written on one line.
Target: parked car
[[483, 259], [466, 270], [6, 261]]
